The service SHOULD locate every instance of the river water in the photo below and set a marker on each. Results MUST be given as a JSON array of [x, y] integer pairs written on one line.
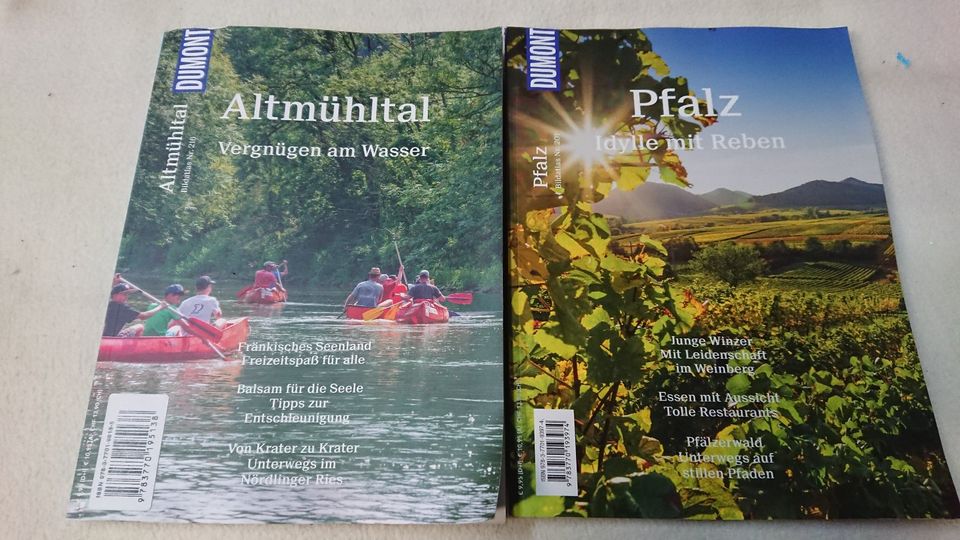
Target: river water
[[428, 425]]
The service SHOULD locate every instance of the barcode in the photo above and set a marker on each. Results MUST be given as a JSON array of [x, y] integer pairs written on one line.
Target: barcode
[[126, 468], [554, 440]]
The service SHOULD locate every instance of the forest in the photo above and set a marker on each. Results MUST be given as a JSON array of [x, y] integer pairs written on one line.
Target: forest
[[332, 217]]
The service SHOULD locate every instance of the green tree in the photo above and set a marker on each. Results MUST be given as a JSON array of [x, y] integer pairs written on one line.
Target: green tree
[[814, 248], [681, 249], [332, 217], [729, 262]]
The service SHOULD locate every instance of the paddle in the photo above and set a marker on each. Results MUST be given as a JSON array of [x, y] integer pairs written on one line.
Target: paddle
[[460, 298], [390, 310], [201, 329], [391, 314], [280, 281], [200, 326], [373, 313], [400, 275]]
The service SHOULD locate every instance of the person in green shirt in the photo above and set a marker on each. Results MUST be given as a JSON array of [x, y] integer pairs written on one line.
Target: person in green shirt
[[158, 324]]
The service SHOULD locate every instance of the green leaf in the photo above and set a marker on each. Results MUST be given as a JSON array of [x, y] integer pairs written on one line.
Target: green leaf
[[642, 419], [594, 231], [669, 176], [851, 444], [519, 302], [653, 60], [539, 506], [597, 316], [554, 344], [738, 384], [654, 245], [790, 408], [835, 403], [540, 382], [572, 246], [616, 264]]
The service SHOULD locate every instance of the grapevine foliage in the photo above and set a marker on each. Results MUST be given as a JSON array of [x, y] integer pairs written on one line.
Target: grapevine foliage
[[854, 422]]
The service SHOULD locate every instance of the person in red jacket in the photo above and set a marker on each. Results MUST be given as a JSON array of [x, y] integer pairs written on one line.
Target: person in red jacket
[[267, 277], [394, 289]]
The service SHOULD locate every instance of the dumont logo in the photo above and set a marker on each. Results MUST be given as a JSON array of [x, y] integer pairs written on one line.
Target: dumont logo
[[543, 60], [193, 61]]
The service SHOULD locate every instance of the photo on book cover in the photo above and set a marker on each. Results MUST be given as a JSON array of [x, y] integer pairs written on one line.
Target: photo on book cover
[[707, 316], [306, 320]]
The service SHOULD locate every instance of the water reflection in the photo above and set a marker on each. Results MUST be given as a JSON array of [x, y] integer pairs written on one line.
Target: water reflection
[[428, 424]]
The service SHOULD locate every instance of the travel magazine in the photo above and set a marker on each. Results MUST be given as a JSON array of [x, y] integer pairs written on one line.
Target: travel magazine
[[707, 314], [306, 319], [320, 214]]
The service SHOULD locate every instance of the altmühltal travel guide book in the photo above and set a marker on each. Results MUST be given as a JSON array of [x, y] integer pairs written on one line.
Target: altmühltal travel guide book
[[415, 278], [306, 322]]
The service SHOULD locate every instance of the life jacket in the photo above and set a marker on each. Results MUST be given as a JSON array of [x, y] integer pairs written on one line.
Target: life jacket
[[264, 279], [399, 289]]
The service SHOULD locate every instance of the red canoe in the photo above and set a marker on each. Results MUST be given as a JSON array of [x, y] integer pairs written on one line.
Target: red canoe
[[160, 349], [261, 296], [423, 312], [356, 312]]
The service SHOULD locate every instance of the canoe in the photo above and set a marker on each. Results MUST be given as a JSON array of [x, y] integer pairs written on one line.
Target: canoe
[[356, 312], [263, 296], [160, 349], [407, 312], [389, 314], [423, 312]]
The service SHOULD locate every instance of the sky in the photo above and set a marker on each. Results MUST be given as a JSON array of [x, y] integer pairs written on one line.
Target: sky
[[799, 84]]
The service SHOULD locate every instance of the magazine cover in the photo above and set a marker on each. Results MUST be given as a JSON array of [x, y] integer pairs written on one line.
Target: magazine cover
[[306, 320], [707, 315]]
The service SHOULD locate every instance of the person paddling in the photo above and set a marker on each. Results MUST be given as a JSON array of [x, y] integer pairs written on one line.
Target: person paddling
[[424, 290], [388, 283], [202, 305], [119, 313], [399, 290], [279, 274], [367, 293], [159, 324], [269, 277]]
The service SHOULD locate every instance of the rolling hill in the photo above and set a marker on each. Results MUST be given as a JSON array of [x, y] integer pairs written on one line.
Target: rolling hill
[[847, 193], [726, 197], [653, 201]]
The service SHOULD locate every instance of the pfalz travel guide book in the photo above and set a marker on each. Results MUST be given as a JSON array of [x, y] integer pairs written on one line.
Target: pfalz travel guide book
[[707, 314], [306, 324], [706, 321]]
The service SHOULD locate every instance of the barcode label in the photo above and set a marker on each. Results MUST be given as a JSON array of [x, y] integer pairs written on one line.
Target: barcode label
[[555, 455], [129, 451]]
